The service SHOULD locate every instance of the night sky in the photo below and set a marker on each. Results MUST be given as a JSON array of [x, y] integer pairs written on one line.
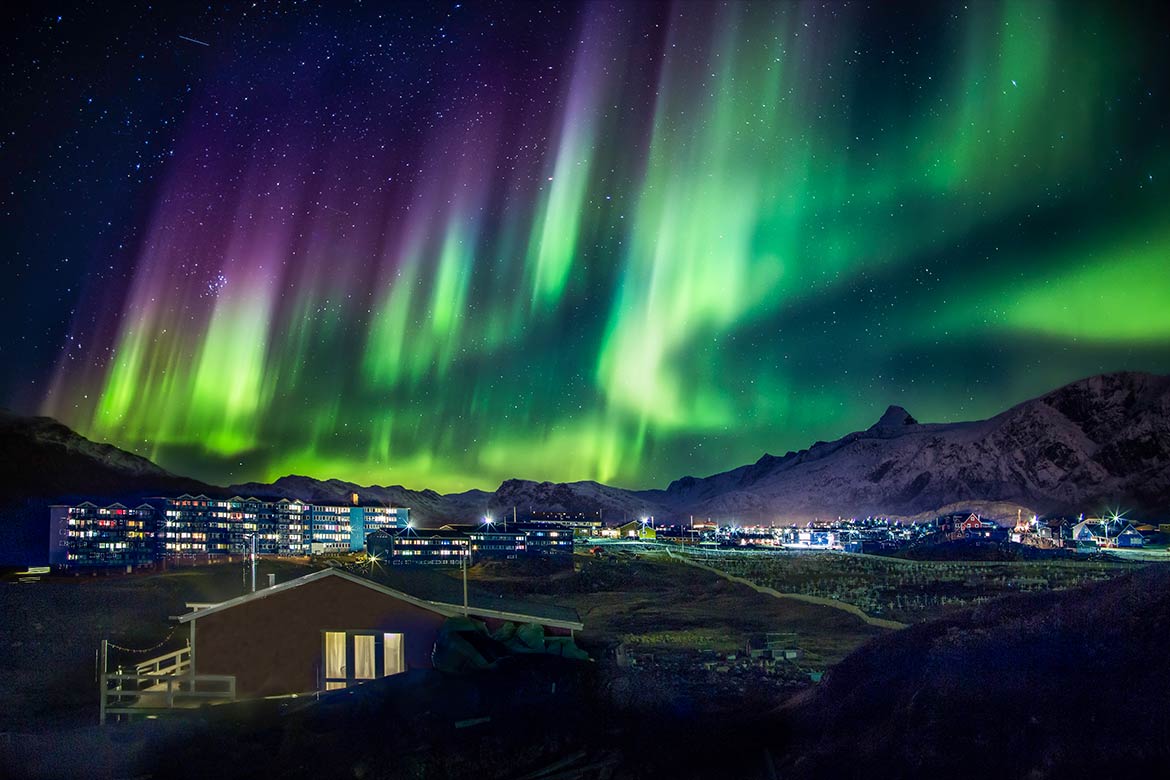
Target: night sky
[[446, 244]]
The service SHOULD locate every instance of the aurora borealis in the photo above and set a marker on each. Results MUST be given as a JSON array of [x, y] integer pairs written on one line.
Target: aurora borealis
[[445, 245]]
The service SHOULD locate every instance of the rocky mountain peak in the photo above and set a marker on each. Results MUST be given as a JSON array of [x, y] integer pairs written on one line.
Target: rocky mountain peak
[[894, 417]]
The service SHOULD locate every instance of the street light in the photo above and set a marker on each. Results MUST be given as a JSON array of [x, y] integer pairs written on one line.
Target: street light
[[252, 538]]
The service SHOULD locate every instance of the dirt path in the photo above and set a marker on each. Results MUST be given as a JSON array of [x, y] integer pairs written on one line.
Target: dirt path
[[818, 600]]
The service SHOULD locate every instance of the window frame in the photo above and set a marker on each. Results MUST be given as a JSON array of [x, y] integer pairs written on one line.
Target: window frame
[[350, 656]]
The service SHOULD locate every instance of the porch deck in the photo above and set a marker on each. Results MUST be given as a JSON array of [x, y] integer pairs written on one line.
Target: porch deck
[[162, 685]]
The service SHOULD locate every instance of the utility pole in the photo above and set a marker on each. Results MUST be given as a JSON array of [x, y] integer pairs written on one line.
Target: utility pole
[[466, 553], [104, 664], [253, 562]]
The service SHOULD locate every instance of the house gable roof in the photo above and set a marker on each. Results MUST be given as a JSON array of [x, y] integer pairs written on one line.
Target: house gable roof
[[442, 608]]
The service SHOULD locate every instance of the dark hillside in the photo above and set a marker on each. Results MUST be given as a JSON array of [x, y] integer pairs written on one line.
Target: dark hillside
[[1053, 685], [43, 462], [43, 459]]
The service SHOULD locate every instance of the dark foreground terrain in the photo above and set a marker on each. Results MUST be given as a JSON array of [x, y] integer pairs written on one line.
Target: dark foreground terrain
[[1044, 685], [651, 625], [1041, 685]]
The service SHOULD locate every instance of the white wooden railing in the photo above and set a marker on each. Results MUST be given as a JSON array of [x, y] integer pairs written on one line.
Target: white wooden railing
[[159, 684], [178, 662]]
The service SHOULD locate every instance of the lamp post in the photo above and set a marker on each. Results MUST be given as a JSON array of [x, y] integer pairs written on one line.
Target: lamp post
[[466, 554], [252, 540]]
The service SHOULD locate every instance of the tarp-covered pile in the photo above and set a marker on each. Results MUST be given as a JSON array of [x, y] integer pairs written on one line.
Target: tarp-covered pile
[[466, 645]]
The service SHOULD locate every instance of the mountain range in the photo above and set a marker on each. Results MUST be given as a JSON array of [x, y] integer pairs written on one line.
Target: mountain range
[[1102, 442], [1095, 444]]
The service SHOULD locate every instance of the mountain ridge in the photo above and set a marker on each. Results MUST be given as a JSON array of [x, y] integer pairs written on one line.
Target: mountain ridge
[[45, 459], [1100, 440]]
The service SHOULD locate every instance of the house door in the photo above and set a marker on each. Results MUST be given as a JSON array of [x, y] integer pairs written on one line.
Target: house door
[[352, 657]]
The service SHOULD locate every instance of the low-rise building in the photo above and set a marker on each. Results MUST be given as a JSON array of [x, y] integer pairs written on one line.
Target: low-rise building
[[583, 524], [637, 529], [494, 543], [195, 526], [972, 522], [1107, 533], [329, 528], [811, 538], [449, 544], [418, 546], [90, 535], [1128, 536], [1088, 531], [205, 528], [327, 630], [364, 520], [549, 539]]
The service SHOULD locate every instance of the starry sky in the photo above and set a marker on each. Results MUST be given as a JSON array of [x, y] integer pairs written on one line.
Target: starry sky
[[445, 244]]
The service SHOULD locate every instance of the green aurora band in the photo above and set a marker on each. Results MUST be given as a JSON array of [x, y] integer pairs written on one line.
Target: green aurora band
[[731, 229]]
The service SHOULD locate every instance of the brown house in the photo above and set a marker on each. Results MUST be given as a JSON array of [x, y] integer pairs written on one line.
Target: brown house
[[331, 629]]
